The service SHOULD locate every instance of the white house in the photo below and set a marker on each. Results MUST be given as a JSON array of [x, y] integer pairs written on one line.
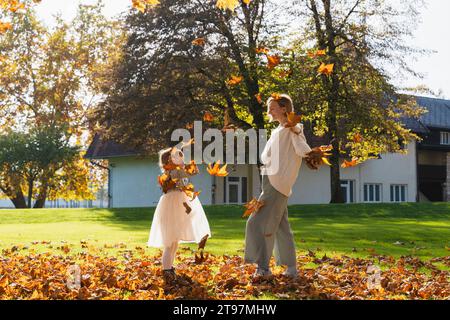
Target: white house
[[420, 175]]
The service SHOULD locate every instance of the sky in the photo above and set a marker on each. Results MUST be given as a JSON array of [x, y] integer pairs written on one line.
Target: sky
[[431, 34]]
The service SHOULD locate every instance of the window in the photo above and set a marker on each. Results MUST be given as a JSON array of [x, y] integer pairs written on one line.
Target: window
[[372, 192], [445, 137], [348, 190], [235, 190], [398, 193]]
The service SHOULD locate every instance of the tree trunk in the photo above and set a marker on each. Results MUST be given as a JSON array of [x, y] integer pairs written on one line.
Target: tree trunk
[[19, 201], [16, 197], [40, 202], [30, 192]]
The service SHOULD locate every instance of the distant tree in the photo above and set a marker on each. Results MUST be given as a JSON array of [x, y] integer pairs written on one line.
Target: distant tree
[[47, 86], [29, 163]]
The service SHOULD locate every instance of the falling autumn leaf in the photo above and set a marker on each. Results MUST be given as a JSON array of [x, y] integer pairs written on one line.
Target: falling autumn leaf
[[357, 138], [216, 170], [208, 117], [190, 192], [273, 61], [258, 98], [191, 168], [262, 50], [166, 182], [141, 5], [275, 96], [189, 126], [227, 4], [5, 26], [292, 120], [234, 80], [326, 69], [317, 53], [252, 206], [199, 42], [352, 163], [187, 207], [201, 258], [202, 243]]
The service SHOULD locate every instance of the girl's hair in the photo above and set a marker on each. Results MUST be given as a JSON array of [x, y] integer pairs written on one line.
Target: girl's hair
[[283, 100], [164, 156]]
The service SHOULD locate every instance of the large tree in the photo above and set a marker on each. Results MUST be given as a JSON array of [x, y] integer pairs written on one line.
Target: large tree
[[354, 103], [177, 63]]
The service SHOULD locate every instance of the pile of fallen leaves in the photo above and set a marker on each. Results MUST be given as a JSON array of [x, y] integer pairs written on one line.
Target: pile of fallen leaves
[[132, 274]]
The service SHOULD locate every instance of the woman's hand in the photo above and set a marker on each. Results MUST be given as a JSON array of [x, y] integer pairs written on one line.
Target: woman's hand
[[313, 158]]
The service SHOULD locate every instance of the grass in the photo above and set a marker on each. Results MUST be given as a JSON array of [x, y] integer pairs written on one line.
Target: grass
[[358, 230]]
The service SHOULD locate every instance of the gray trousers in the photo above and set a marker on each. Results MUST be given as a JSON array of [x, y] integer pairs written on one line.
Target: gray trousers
[[268, 229]]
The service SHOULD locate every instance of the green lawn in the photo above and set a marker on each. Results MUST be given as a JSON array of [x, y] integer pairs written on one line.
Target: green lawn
[[419, 229]]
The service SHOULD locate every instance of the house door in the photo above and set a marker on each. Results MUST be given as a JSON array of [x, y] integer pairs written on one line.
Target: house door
[[235, 190], [348, 190]]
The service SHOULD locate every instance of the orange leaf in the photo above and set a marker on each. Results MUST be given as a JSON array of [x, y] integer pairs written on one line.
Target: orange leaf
[[199, 42], [276, 96], [326, 69], [252, 206], [208, 117], [316, 54], [293, 119], [141, 5], [234, 80], [216, 170], [357, 138], [258, 98], [191, 168], [352, 163], [5, 26], [262, 50], [273, 61]]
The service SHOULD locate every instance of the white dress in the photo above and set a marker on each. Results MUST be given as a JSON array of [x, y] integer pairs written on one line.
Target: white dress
[[171, 223]]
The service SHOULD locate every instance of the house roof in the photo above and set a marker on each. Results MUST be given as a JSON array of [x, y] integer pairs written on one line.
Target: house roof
[[415, 125], [103, 149], [438, 115]]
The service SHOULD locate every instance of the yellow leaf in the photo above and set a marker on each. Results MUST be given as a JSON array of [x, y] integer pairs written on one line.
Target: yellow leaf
[[141, 5], [216, 170], [227, 4], [325, 160], [326, 69], [5, 26]]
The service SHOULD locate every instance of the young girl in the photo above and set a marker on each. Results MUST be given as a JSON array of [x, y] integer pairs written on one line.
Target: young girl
[[269, 228], [178, 217]]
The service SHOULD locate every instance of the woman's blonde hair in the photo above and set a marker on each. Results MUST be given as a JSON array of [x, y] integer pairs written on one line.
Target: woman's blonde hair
[[283, 100]]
